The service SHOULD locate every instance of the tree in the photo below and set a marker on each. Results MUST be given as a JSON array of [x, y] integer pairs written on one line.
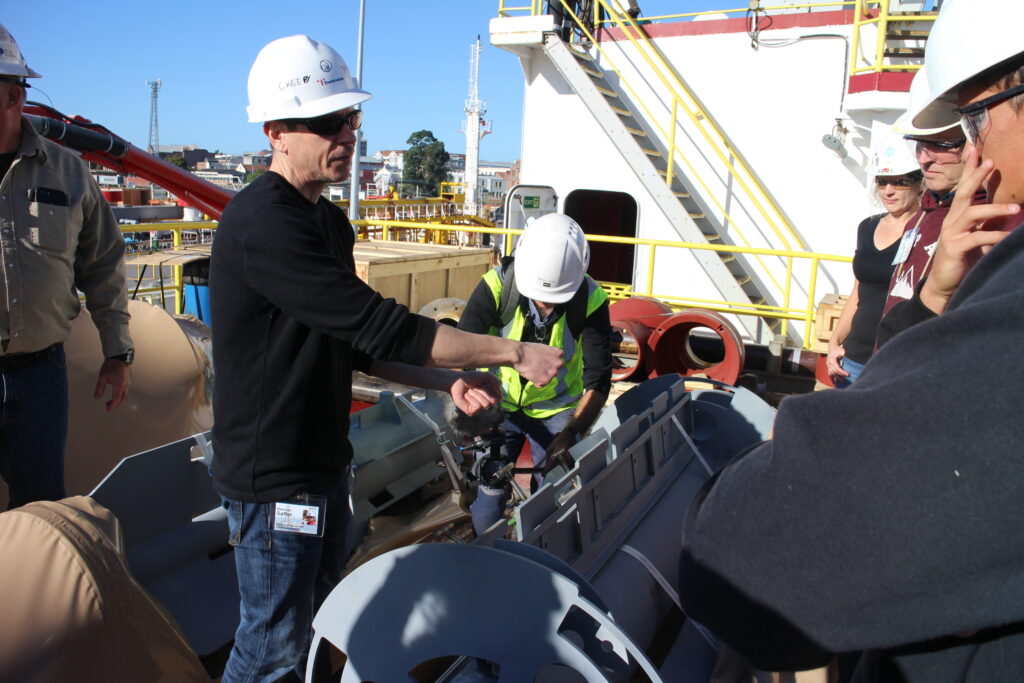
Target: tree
[[424, 164], [253, 175], [176, 159]]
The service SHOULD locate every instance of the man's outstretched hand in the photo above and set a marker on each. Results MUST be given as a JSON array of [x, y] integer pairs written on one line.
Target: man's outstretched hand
[[475, 391]]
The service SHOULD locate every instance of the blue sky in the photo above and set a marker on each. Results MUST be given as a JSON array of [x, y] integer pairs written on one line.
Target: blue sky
[[96, 59]]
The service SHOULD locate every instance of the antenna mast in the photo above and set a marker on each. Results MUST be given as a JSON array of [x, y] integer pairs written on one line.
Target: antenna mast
[[475, 129], [154, 124]]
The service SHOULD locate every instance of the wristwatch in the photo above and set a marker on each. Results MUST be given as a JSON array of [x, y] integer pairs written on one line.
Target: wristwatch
[[127, 358]]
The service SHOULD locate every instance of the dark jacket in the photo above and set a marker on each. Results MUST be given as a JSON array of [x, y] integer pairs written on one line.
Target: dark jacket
[[884, 518], [290, 321]]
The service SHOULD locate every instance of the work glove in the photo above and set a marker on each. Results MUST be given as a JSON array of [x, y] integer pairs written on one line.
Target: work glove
[[558, 452]]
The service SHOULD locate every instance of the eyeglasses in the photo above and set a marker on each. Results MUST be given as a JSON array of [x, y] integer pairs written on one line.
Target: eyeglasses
[[895, 181], [974, 116], [15, 81], [332, 124], [936, 146]]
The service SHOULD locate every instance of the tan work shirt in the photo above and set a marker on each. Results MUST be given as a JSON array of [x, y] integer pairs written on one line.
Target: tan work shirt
[[57, 234]]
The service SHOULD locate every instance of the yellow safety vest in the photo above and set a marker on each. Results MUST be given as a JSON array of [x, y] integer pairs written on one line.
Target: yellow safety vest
[[565, 390]]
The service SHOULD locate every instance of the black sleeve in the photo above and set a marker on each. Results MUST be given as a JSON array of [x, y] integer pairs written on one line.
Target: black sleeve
[[286, 261], [902, 316], [597, 352], [481, 313], [884, 514]]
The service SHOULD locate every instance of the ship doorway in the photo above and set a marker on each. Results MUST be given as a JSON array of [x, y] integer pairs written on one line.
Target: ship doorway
[[606, 213]]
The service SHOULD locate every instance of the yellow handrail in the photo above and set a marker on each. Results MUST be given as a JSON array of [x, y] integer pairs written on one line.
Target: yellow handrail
[[802, 311], [176, 229], [785, 312], [716, 137], [868, 12]]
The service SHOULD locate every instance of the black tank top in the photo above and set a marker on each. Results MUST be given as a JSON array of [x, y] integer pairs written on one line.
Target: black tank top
[[873, 270]]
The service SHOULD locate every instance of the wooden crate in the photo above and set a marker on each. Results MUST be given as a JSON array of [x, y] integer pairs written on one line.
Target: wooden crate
[[829, 308], [415, 274]]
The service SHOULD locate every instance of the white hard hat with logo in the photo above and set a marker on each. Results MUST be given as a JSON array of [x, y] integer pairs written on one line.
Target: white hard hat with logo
[[920, 96], [892, 156], [969, 37], [12, 63], [299, 78], [552, 256]]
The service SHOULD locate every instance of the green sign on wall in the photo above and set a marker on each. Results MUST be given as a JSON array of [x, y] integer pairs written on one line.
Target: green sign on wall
[[531, 202]]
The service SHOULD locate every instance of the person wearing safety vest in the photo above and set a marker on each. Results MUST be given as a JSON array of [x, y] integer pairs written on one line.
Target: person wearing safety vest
[[543, 294], [885, 521]]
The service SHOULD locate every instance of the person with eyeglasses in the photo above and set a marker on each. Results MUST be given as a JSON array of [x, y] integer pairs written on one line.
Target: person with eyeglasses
[[898, 184], [940, 154], [898, 503], [291, 321]]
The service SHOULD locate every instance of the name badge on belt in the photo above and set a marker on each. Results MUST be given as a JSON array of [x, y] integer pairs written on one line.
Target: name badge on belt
[[301, 514], [906, 244]]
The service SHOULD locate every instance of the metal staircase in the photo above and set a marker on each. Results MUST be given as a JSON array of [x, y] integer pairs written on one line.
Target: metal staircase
[[899, 42], [732, 274]]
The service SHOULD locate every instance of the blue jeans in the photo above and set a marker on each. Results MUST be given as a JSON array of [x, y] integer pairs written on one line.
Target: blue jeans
[[34, 428], [518, 428], [852, 367], [283, 578]]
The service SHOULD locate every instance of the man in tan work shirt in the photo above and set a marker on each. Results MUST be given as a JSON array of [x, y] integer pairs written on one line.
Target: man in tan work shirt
[[57, 235]]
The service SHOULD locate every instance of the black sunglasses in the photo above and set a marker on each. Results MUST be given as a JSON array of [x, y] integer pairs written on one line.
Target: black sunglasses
[[16, 81], [947, 145], [974, 116], [330, 125], [896, 181]]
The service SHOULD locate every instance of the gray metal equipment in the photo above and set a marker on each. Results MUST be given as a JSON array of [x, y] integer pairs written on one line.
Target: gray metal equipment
[[606, 533], [176, 537], [418, 603]]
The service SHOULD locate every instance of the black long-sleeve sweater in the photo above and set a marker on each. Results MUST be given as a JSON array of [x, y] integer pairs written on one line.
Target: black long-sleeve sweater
[[885, 518], [290, 322]]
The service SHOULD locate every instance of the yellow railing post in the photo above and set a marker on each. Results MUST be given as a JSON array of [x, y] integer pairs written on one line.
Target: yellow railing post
[[883, 20], [650, 270], [179, 282], [809, 311], [786, 294], [672, 143]]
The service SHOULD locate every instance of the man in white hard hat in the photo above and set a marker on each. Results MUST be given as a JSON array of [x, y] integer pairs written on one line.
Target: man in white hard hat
[[542, 293], [898, 502], [940, 154], [292, 321], [58, 234]]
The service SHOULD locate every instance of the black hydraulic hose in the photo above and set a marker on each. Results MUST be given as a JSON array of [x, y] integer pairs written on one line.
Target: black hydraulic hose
[[78, 137]]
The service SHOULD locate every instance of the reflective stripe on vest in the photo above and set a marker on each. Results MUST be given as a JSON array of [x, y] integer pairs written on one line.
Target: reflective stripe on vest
[[566, 389]]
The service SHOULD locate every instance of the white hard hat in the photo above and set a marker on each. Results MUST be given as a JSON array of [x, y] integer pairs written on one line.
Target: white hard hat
[[892, 156], [552, 256], [969, 36], [919, 97], [12, 63], [299, 78]]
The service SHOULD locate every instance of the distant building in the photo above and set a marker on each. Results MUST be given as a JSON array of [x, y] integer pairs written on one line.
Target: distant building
[[233, 180], [193, 157]]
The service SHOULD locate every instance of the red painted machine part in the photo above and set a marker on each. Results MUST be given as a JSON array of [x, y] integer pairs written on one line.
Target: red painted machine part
[[202, 194], [633, 320], [821, 372], [670, 350]]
